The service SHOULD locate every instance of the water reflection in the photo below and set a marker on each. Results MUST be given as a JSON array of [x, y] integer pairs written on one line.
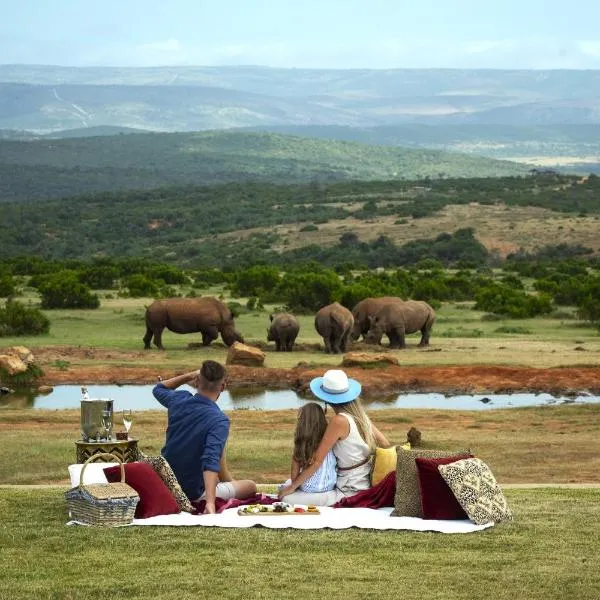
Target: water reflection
[[139, 397]]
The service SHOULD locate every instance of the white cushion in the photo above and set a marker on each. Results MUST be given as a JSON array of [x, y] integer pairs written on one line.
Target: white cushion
[[94, 473]]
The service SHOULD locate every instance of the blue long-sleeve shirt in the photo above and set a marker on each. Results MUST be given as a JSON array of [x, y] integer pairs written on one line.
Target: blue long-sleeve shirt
[[197, 431]]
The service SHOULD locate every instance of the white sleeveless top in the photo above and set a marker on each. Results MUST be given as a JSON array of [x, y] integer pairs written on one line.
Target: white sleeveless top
[[352, 451]]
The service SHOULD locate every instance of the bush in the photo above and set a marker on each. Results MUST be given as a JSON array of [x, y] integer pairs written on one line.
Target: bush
[[309, 227], [308, 292], [64, 290], [7, 286], [139, 286], [18, 319], [503, 300]]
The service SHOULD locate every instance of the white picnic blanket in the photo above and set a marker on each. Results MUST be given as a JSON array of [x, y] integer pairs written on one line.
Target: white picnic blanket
[[330, 518]]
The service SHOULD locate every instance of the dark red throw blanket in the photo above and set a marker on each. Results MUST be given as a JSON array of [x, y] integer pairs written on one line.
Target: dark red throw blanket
[[221, 505], [378, 496]]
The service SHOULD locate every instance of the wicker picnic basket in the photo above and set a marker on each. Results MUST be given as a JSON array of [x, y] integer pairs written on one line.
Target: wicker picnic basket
[[108, 504]]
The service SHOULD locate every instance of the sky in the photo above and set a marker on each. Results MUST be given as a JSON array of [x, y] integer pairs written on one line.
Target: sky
[[510, 34]]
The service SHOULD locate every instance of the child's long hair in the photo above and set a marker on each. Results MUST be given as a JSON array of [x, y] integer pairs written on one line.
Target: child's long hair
[[363, 423], [310, 429]]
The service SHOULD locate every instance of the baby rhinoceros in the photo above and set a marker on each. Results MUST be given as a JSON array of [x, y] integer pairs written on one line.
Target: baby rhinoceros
[[283, 331]]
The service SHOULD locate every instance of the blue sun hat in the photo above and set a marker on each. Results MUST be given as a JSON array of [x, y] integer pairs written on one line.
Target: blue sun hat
[[335, 387]]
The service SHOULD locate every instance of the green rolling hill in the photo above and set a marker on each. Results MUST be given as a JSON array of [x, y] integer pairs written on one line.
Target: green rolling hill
[[55, 168]]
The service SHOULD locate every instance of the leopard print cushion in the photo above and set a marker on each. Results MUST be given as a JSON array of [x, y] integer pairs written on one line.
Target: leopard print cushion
[[407, 502], [164, 471], [477, 491]]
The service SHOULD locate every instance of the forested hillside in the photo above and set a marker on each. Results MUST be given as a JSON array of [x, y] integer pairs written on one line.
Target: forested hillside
[[55, 168], [360, 223]]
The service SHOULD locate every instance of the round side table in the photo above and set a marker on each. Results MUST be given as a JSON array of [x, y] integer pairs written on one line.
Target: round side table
[[125, 450]]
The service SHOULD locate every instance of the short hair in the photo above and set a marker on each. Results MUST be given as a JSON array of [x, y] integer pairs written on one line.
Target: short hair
[[212, 374]]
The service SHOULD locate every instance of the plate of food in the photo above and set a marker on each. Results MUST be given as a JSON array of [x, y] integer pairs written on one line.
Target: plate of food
[[277, 509]]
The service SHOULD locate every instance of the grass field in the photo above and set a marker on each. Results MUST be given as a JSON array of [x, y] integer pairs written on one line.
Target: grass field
[[548, 553], [459, 337], [550, 444]]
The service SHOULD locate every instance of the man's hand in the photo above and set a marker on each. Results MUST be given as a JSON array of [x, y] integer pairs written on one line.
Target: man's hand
[[288, 489], [209, 509]]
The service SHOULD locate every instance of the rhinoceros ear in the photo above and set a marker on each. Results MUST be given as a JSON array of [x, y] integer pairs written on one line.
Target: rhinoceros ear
[[271, 318]]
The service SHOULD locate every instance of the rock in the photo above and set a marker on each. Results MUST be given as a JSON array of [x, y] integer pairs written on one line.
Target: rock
[[579, 348], [45, 389], [5, 390], [367, 359], [12, 364], [15, 360], [241, 354], [23, 353], [413, 437]]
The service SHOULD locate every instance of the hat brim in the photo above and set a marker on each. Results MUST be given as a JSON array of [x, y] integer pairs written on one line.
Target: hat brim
[[352, 393]]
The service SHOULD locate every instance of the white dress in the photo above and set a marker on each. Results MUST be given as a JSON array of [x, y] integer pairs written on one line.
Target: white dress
[[350, 451]]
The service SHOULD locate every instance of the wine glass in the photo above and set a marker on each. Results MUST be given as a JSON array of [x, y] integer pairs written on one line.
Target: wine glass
[[127, 419], [106, 424]]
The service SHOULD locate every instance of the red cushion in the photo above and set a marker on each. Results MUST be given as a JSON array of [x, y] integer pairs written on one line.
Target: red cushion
[[155, 496], [437, 499]]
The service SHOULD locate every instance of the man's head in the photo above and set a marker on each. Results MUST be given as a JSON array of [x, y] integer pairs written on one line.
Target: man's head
[[211, 378]]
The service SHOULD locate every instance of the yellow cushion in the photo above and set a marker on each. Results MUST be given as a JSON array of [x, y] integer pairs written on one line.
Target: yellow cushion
[[384, 462]]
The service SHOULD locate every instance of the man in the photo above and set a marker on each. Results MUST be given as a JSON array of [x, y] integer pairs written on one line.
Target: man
[[196, 435]]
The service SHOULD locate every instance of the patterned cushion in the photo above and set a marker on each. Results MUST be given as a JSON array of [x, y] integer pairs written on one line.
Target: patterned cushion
[[407, 502], [477, 491], [163, 469]]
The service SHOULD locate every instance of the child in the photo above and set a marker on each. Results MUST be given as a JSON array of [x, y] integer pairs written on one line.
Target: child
[[310, 429]]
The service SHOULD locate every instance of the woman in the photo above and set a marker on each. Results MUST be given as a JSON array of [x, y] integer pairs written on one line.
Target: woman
[[351, 436]]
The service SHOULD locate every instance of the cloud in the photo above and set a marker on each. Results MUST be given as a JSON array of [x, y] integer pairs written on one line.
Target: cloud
[[590, 47]]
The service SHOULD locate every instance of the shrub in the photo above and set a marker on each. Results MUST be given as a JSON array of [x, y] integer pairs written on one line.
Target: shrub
[[18, 319], [64, 290], [7, 286], [308, 292], [309, 227], [139, 286], [503, 300]]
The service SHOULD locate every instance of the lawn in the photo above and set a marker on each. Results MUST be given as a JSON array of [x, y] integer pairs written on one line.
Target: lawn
[[550, 444], [548, 553]]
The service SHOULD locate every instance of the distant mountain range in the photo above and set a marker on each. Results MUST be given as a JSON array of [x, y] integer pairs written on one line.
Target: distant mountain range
[[47, 98], [539, 117]]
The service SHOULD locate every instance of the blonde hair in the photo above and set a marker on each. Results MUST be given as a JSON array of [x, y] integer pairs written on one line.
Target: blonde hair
[[310, 429], [363, 423]]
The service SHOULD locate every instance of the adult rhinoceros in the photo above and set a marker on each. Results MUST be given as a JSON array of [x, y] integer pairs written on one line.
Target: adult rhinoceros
[[334, 323], [206, 315], [365, 309], [398, 319]]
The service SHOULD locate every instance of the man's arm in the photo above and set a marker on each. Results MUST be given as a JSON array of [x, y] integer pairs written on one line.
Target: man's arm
[[210, 487], [224, 473], [211, 460], [163, 391], [175, 382]]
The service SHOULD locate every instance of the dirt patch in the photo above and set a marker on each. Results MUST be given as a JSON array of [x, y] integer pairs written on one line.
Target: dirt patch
[[375, 381]]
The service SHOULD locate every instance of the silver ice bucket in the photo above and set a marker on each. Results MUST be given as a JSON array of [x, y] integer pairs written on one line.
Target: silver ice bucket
[[97, 420]]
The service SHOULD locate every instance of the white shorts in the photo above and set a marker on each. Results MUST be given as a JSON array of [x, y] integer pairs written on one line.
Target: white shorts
[[225, 491]]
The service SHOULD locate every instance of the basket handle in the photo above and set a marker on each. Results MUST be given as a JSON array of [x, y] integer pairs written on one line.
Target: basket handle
[[94, 457]]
